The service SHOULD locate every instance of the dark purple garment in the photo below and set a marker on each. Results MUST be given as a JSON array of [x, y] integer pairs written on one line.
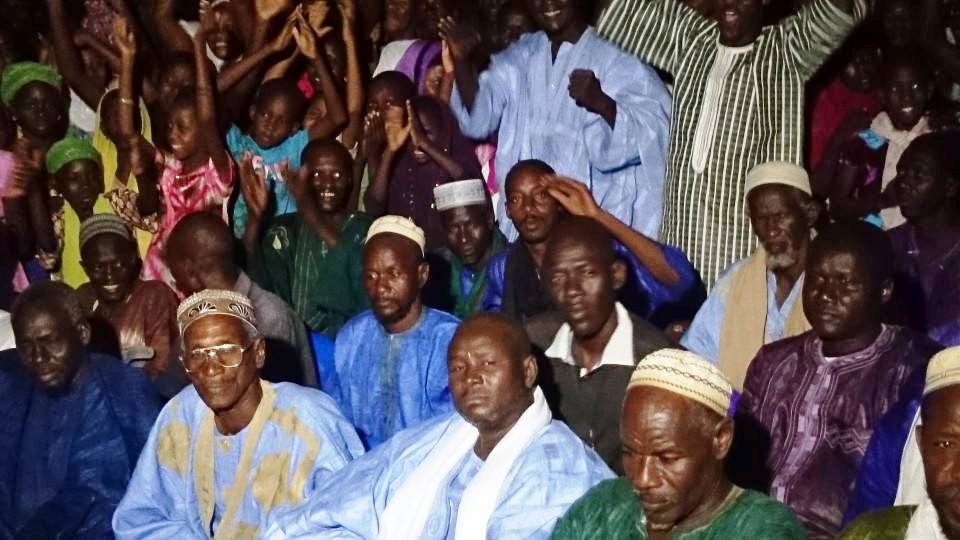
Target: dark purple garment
[[816, 416], [927, 291], [411, 184]]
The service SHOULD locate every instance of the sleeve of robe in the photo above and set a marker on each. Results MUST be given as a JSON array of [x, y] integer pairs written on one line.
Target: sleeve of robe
[[703, 336], [816, 30], [653, 30], [641, 132], [348, 505], [496, 86], [879, 474], [157, 503]]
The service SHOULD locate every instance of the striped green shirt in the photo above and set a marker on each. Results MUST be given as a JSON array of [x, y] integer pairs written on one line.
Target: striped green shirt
[[734, 108]]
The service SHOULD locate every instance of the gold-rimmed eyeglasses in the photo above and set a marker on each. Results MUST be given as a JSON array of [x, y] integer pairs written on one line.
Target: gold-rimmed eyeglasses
[[228, 355]]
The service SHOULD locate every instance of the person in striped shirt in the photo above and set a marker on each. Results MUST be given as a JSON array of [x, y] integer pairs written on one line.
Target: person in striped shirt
[[738, 102]]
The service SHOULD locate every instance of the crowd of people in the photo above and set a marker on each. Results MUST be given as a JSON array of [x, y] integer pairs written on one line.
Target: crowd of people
[[432, 269]]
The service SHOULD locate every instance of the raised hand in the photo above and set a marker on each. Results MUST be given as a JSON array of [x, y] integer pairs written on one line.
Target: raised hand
[[315, 12], [285, 37], [374, 134], [124, 38], [268, 9], [461, 38], [396, 129], [348, 12], [573, 196], [446, 57], [253, 187], [417, 137]]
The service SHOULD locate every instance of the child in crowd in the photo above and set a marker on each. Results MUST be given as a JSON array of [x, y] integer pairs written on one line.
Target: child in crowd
[[198, 173], [858, 183], [276, 137], [424, 149]]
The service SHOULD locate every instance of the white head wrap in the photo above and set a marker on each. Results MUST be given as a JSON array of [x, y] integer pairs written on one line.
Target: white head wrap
[[943, 370]]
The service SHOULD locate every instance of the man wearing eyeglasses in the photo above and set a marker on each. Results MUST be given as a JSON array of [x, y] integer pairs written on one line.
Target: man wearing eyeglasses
[[231, 448]]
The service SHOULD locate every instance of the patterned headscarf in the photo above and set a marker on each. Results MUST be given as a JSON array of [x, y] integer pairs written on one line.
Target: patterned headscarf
[[70, 149], [18, 75]]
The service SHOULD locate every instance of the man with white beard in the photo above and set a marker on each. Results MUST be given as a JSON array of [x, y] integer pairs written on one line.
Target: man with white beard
[[763, 289]]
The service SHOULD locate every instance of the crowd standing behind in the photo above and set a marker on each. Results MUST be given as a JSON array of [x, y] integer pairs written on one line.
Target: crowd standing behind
[[432, 269]]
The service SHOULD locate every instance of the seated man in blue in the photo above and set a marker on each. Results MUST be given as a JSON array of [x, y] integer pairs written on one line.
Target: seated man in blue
[[461, 274], [72, 426], [391, 370], [662, 286], [232, 447], [499, 467]]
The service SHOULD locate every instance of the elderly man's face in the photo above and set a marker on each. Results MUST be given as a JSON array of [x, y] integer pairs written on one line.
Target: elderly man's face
[[113, 264], [469, 232], [780, 224], [939, 439], [583, 282], [671, 458], [531, 208], [210, 346], [393, 275], [50, 346], [840, 298], [489, 388]]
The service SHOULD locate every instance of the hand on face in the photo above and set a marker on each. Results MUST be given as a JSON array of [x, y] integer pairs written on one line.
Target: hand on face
[[396, 127], [585, 90], [574, 197], [461, 39]]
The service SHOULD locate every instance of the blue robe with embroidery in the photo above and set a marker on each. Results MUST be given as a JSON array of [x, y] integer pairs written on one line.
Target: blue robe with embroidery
[[524, 98], [550, 474], [183, 486], [388, 382], [65, 460]]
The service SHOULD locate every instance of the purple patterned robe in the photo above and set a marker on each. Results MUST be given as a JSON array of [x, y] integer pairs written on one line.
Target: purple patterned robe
[[818, 415], [927, 292]]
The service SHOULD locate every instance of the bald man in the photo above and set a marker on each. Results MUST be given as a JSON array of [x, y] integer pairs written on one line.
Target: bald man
[[390, 361], [677, 430], [592, 343], [498, 467], [200, 255]]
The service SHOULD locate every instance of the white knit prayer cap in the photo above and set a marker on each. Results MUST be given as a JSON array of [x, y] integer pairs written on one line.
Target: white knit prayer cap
[[689, 375], [943, 370], [461, 193], [779, 173], [398, 225]]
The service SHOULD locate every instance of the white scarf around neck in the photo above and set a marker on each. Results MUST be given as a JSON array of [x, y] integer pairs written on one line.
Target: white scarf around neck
[[924, 523], [409, 508]]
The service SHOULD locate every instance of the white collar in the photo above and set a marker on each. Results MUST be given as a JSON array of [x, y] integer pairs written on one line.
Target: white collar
[[618, 352]]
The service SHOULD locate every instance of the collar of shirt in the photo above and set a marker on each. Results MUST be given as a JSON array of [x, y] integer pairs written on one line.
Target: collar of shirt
[[884, 127], [618, 352]]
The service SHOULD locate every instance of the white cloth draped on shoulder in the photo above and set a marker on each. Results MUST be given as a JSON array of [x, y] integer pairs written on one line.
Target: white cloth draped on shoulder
[[408, 510]]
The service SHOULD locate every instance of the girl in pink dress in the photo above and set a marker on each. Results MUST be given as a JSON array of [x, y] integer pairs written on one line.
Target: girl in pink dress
[[198, 173]]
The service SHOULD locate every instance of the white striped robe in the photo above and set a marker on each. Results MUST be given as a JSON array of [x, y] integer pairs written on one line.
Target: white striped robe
[[755, 107]]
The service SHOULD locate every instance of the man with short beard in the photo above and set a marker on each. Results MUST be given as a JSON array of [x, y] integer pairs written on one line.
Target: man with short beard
[[390, 361], [937, 516], [762, 290], [811, 402], [739, 88]]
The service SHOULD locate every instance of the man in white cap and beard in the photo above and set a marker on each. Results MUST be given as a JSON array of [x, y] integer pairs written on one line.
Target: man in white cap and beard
[[763, 289], [471, 240], [390, 361]]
